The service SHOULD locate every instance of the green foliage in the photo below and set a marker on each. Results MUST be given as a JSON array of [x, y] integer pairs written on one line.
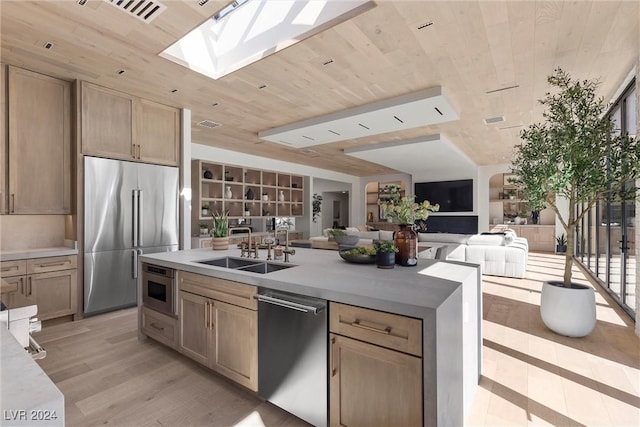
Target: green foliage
[[337, 232], [384, 246], [561, 240], [221, 224], [316, 206], [406, 211], [361, 250], [575, 154]]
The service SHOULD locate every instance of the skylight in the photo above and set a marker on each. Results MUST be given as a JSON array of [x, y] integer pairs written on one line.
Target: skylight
[[246, 31]]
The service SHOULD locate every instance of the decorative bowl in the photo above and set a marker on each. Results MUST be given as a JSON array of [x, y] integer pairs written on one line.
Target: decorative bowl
[[346, 240], [357, 258]]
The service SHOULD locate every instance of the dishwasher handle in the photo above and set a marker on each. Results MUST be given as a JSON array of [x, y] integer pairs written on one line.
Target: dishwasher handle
[[289, 304]]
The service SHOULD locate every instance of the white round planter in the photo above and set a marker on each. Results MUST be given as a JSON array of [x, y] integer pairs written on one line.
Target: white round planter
[[568, 311]]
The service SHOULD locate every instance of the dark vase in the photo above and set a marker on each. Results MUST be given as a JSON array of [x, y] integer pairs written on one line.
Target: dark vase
[[535, 215], [208, 174], [406, 240], [249, 194], [386, 260]]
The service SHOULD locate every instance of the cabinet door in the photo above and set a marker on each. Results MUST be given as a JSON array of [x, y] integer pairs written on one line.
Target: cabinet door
[[39, 143], [107, 123], [14, 292], [235, 348], [373, 386], [55, 293], [158, 133], [195, 318]]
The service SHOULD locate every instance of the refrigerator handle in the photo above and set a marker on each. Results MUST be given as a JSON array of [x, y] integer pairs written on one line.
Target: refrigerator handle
[[140, 218], [134, 217], [134, 269]]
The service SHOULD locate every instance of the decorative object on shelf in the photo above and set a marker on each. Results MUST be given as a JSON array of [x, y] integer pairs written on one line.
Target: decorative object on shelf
[[385, 253], [207, 174], [227, 177], [205, 210], [281, 196], [369, 217], [294, 185], [247, 212], [359, 255], [204, 229], [249, 194], [265, 197], [561, 244], [535, 216], [406, 211], [576, 156], [220, 231], [316, 206], [227, 192]]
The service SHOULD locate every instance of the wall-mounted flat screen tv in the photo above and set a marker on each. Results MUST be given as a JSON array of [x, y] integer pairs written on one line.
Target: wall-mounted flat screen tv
[[452, 196]]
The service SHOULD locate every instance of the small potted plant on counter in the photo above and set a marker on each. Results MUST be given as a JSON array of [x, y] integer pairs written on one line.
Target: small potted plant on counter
[[220, 240], [385, 253]]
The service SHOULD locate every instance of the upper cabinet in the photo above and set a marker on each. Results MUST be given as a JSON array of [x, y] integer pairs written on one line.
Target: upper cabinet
[[120, 126], [39, 148]]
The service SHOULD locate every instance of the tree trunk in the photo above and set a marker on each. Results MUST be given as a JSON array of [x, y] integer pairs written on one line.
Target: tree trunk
[[568, 256]]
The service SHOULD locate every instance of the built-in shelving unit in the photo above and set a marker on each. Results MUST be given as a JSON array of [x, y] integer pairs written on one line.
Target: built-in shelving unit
[[376, 191], [243, 192]]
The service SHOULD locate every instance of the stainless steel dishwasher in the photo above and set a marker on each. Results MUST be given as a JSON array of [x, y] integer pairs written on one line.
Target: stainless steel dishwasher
[[292, 354]]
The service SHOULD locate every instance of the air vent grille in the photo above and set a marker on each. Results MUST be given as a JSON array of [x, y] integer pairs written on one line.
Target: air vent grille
[[144, 10], [496, 119], [209, 124]]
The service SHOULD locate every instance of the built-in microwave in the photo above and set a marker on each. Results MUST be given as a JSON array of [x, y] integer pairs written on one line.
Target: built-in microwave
[[159, 289]]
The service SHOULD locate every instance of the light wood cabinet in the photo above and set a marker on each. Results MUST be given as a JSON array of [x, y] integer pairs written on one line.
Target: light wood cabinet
[[160, 327], [243, 192], [539, 237], [120, 126], [39, 148], [220, 333], [50, 283], [371, 385]]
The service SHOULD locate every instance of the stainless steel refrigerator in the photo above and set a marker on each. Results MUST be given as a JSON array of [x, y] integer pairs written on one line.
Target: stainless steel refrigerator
[[129, 209]]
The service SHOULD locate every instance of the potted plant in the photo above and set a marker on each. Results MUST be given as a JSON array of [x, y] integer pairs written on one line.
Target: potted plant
[[316, 206], [342, 238], [220, 231], [385, 253], [204, 229], [406, 212], [561, 244], [574, 155]]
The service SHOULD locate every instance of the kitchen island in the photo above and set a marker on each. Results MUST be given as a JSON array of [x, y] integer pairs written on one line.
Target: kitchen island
[[444, 296]]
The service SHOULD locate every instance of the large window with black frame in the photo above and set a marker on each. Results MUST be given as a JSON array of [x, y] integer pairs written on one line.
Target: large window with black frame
[[607, 236]]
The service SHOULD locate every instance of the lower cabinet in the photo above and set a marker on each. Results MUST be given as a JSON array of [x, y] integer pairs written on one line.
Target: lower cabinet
[[50, 283], [370, 382], [160, 327], [219, 334]]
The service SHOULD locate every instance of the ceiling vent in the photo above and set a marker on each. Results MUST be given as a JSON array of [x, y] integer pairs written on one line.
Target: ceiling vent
[[491, 120], [209, 124], [144, 10]]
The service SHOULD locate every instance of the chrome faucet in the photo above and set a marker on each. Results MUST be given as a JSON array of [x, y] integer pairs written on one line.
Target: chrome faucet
[[247, 248]]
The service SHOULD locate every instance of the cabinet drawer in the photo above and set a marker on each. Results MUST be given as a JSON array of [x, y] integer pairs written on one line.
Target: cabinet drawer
[[160, 327], [219, 289], [57, 263], [387, 330], [13, 268]]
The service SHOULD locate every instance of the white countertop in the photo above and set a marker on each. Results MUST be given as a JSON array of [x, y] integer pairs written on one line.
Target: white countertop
[[323, 274], [37, 253], [27, 396]]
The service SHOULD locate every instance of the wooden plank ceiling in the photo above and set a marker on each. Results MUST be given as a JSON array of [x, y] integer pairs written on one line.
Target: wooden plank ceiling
[[471, 49]]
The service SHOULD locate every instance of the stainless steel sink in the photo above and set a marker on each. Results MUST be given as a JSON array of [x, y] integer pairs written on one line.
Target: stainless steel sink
[[246, 264]]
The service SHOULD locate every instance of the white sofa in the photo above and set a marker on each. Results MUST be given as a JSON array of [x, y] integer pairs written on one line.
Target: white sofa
[[499, 254]]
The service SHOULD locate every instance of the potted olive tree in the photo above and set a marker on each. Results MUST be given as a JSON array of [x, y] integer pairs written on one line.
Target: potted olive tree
[[576, 155]]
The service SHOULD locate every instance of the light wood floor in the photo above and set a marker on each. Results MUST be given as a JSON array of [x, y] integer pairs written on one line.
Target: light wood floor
[[531, 376]]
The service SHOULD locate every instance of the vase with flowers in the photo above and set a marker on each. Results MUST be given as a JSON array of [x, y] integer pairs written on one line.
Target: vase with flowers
[[405, 211]]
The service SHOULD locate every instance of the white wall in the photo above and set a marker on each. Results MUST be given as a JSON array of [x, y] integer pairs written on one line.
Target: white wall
[[185, 182]]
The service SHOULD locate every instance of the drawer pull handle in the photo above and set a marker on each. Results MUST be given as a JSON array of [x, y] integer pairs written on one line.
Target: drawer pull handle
[[154, 326], [358, 324], [334, 364], [53, 264]]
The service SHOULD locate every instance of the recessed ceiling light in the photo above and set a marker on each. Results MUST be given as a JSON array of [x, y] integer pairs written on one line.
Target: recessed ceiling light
[[215, 104], [174, 90], [262, 86], [503, 88], [202, 2], [82, 2], [425, 25], [330, 61], [121, 71], [48, 45], [209, 124]]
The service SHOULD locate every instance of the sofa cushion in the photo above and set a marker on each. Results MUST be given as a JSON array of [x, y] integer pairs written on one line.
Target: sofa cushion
[[386, 235], [443, 238], [373, 235], [352, 231], [486, 240]]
